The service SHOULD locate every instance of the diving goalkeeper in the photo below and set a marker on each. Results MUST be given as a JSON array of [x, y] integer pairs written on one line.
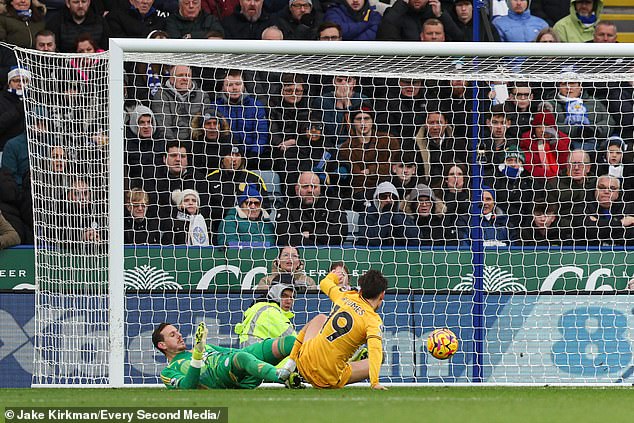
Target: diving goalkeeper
[[209, 366], [325, 345]]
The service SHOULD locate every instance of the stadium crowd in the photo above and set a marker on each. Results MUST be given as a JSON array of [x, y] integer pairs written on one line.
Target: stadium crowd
[[252, 158]]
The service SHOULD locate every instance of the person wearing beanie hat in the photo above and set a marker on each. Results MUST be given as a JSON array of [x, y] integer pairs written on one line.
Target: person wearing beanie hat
[[545, 147], [513, 152], [12, 121], [462, 14], [300, 20], [186, 225], [494, 223], [269, 316], [247, 224], [383, 223]]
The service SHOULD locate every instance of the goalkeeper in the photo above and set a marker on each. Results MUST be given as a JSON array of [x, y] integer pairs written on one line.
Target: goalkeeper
[[212, 367]]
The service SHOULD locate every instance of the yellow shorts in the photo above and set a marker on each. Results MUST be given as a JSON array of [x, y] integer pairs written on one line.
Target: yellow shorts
[[319, 373]]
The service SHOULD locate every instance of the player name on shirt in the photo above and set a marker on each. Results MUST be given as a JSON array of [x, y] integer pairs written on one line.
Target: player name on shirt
[[356, 307]]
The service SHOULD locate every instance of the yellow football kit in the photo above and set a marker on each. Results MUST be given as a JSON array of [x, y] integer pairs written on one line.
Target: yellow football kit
[[323, 360]]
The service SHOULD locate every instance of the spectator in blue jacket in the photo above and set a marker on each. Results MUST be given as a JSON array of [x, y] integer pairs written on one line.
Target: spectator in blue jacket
[[519, 25], [358, 20], [248, 119], [494, 223]]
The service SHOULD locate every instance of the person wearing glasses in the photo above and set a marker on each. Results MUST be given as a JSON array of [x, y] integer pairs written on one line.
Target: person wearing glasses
[[247, 224], [288, 268], [300, 20]]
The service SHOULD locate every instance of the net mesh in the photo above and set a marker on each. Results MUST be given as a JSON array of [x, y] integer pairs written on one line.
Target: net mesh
[[301, 143]]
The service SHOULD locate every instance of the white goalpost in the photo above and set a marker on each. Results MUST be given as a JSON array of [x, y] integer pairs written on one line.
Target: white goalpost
[[528, 305]]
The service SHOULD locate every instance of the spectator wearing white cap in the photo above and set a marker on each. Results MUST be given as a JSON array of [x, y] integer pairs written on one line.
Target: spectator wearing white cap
[[186, 226], [11, 108]]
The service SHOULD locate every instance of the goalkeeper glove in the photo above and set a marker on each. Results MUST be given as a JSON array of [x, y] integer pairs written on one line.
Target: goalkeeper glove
[[200, 341]]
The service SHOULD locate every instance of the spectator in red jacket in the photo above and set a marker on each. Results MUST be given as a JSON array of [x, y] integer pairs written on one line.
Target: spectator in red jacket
[[546, 148]]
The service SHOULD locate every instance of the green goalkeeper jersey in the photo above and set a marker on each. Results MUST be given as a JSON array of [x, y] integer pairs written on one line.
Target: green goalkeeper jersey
[[215, 373]]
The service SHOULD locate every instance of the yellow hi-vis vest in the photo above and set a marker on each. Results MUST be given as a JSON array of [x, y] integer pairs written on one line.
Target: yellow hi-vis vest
[[264, 320]]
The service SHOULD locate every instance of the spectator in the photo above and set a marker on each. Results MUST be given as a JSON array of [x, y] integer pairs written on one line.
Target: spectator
[[77, 19], [455, 193], [550, 10], [404, 172], [309, 218], [604, 32], [15, 156], [606, 221], [438, 147], [212, 133], [21, 20], [547, 35], [313, 153], [573, 189], [433, 31], [139, 229], [582, 117], [462, 14], [248, 120], [546, 148], [544, 229], [191, 21], [11, 107], [617, 161], [177, 102], [493, 221], [83, 224], [59, 170], [247, 224], [519, 26], [248, 22], [45, 40], [85, 67], [515, 189], [300, 21], [358, 20], [8, 236], [621, 108], [519, 108], [403, 20], [185, 225], [288, 268], [136, 21], [272, 33], [402, 112], [336, 106], [227, 183], [383, 224], [173, 174], [289, 116], [367, 154], [456, 101], [491, 150], [144, 142], [579, 25], [421, 206], [268, 317], [329, 31]]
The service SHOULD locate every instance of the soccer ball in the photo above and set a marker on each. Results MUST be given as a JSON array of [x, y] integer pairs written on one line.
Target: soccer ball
[[442, 343]]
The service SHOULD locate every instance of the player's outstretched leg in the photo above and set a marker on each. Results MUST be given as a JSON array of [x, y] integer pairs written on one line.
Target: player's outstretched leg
[[249, 364], [307, 333], [272, 350]]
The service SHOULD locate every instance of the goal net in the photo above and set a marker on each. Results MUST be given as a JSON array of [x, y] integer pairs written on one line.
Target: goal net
[[177, 181]]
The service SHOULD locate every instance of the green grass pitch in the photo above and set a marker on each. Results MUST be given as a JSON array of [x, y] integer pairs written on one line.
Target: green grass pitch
[[360, 404]]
